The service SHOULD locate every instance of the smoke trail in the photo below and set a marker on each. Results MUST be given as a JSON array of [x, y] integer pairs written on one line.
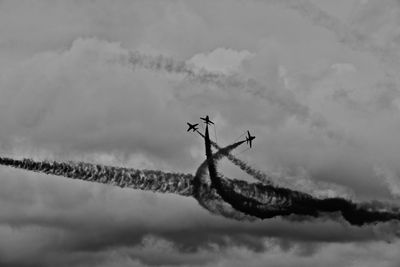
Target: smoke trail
[[350, 37], [282, 99], [171, 65], [156, 181], [286, 101], [308, 186], [256, 174], [230, 198], [208, 198], [343, 32], [149, 180], [288, 202]]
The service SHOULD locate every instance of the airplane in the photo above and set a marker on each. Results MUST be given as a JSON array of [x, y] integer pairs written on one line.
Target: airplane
[[207, 120], [192, 127], [249, 138]]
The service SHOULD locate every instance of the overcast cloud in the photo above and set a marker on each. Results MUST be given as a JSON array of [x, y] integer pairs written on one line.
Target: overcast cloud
[[313, 80]]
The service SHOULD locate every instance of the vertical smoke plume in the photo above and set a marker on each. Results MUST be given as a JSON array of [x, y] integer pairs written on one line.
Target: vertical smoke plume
[[286, 201], [256, 174]]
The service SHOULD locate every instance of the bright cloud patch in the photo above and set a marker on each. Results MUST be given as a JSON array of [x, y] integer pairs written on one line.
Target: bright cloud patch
[[222, 60]]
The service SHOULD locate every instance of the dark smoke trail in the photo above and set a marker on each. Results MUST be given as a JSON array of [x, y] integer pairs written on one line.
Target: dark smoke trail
[[289, 201], [207, 196], [256, 174]]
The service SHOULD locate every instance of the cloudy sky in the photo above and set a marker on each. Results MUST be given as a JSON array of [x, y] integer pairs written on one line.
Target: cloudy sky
[[315, 81]]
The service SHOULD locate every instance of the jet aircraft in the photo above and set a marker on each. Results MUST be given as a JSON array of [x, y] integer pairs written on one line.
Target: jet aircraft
[[192, 127], [249, 138], [207, 120]]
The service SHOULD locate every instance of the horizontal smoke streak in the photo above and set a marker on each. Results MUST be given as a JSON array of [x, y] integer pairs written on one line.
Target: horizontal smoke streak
[[149, 180], [285, 100]]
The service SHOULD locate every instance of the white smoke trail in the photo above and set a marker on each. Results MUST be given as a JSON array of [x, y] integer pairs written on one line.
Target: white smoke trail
[[286, 101], [346, 35], [156, 181]]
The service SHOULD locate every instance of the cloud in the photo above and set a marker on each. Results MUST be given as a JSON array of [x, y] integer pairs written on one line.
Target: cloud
[[108, 103], [226, 61], [66, 95]]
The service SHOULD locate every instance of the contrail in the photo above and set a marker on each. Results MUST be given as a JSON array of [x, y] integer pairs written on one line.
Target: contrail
[[287, 202]]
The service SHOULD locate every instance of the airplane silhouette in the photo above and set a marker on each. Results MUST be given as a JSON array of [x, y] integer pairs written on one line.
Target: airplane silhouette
[[249, 138], [207, 120], [192, 127]]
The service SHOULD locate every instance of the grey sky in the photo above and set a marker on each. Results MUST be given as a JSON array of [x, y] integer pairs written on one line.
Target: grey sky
[[313, 80]]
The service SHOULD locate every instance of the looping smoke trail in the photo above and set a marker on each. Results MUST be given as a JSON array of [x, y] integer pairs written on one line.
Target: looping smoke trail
[[283, 202], [207, 196]]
